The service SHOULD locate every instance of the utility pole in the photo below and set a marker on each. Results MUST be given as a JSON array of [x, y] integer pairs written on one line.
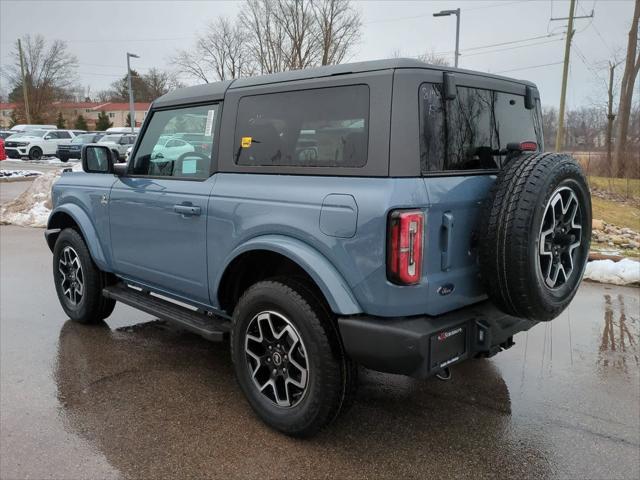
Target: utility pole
[[565, 70], [132, 113], [610, 117], [25, 90]]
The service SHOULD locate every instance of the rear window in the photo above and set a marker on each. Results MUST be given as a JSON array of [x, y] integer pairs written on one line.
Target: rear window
[[472, 131], [326, 127]]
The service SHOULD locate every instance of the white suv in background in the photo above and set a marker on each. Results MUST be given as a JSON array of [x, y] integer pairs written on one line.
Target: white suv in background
[[118, 143], [37, 143]]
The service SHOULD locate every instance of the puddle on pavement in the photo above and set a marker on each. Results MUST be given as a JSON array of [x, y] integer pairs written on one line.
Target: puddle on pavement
[[147, 394]]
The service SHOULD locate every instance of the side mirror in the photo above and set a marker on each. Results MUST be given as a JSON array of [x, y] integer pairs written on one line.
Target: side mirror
[[449, 86], [97, 159], [529, 101]]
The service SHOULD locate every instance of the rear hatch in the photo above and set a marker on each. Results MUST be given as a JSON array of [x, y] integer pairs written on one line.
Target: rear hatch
[[463, 145]]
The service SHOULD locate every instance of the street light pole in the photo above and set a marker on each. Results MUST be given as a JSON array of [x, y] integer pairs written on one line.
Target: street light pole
[[456, 12], [132, 113]]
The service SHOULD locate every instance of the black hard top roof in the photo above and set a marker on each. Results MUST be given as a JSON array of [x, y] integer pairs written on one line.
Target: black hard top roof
[[211, 91]]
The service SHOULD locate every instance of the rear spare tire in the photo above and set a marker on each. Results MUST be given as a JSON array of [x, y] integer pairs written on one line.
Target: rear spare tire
[[535, 235]]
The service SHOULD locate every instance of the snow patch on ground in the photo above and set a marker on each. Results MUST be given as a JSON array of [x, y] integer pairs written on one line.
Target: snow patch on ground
[[624, 272], [33, 206], [11, 174]]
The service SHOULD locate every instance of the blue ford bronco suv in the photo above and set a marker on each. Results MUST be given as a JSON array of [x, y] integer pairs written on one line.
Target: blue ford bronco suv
[[389, 214]]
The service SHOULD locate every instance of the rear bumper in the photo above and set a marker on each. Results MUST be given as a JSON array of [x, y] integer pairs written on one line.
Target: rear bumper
[[423, 346]]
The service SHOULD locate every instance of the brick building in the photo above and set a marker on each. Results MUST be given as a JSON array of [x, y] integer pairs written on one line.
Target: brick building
[[116, 111]]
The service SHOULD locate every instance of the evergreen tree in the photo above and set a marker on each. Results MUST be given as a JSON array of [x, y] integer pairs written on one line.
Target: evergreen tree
[[60, 122], [103, 121], [128, 122], [81, 123]]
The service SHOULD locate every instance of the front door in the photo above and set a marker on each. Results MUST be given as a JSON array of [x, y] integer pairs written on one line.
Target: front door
[[158, 211]]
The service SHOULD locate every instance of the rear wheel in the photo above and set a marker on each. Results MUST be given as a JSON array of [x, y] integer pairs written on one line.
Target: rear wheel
[[288, 358], [78, 280], [35, 153]]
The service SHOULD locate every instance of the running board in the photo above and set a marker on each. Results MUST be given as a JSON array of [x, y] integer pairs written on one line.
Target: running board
[[208, 327]]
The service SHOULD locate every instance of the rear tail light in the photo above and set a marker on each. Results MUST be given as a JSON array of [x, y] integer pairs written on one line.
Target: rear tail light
[[404, 246]]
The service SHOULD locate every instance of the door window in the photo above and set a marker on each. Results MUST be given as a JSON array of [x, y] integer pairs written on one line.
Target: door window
[[161, 152], [326, 127]]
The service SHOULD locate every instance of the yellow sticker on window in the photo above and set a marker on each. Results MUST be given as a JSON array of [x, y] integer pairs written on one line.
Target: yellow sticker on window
[[246, 142]]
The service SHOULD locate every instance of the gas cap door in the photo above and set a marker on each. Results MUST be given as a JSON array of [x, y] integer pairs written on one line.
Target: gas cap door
[[339, 215]]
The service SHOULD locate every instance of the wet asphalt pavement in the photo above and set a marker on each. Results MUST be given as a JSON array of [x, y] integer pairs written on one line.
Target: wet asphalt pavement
[[135, 398]]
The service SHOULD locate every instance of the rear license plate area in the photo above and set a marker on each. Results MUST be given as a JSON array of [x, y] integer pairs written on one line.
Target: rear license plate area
[[448, 347]]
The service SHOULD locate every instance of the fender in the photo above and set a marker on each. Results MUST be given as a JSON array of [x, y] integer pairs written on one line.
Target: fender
[[88, 232], [329, 280]]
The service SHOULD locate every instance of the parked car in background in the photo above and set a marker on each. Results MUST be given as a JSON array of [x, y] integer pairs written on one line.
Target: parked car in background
[[170, 148], [37, 143], [3, 155], [136, 130], [74, 149], [32, 126], [118, 143], [4, 134]]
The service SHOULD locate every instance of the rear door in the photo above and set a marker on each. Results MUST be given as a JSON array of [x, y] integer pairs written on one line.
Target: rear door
[[462, 146], [158, 211]]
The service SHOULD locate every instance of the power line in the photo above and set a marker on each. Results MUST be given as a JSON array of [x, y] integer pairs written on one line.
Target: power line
[[112, 40], [514, 47], [529, 67]]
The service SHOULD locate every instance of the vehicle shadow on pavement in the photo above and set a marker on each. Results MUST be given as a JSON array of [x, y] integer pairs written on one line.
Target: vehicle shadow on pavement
[[162, 403]]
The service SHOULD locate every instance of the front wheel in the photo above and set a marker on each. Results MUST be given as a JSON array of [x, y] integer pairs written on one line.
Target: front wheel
[[288, 357], [35, 153], [78, 280]]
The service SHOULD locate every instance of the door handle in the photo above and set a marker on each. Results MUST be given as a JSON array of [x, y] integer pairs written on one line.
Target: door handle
[[447, 227], [187, 210]]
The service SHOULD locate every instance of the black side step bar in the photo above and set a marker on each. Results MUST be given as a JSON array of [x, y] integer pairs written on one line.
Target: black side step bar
[[211, 328]]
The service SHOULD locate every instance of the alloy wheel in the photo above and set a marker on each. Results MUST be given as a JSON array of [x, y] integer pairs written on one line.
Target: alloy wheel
[[276, 359], [560, 237], [72, 277]]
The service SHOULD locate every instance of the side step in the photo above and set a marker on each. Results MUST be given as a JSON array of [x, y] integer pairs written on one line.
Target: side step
[[211, 328]]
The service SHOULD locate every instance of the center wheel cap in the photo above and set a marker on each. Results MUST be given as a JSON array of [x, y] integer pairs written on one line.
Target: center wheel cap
[[277, 359]]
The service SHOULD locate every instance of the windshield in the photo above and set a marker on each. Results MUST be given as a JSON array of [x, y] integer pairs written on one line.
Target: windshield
[[34, 133], [110, 138], [83, 138]]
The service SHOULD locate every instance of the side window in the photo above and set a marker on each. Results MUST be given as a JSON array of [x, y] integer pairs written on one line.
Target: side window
[[154, 157], [326, 127], [514, 122], [432, 121], [63, 134]]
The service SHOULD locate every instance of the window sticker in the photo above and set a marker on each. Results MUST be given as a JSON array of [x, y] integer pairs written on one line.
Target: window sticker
[[189, 166], [246, 142], [209, 125]]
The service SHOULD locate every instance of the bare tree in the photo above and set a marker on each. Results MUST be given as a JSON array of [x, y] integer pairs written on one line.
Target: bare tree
[[293, 34], [428, 56], [631, 68], [49, 71], [265, 35], [159, 82], [221, 53], [339, 28]]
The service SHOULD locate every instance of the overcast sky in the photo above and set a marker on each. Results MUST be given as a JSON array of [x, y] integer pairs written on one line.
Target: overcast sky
[[100, 32]]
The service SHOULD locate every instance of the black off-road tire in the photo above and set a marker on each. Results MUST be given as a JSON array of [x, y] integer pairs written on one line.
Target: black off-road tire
[[35, 153], [92, 307], [331, 376], [511, 262]]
